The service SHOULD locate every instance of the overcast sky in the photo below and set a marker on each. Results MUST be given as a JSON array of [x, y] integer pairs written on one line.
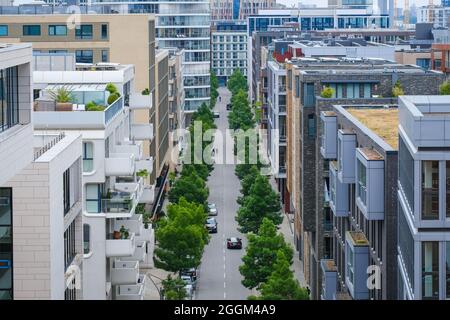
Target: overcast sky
[[323, 3]]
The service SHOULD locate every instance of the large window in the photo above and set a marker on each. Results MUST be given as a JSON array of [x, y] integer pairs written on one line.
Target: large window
[[9, 98], [430, 190], [86, 238], [93, 201], [308, 95], [57, 30], [6, 251], [31, 30], [66, 191], [406, 244], [350, 265], [406, 173], [84, 31], [430, 270], [84, 56], [362, 188], [104, 31], [69, 245], [3, 30], [88, 157], [311, 126]]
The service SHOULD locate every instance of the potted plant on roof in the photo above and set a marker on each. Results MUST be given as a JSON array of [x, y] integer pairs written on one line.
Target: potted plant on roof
[[63, 98], [142, 173]]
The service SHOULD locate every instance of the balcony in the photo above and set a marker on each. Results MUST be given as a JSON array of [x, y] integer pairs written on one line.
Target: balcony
[[47, 116], [329, 279], [328, 149], [339, 202], [120, 164], [145, 164], [370, 183], [146, 234], [356, 261], [121, 202], [148, 195], [120, 247], [346, 156], [131, 291], [142, 131], [134, 224], [134, 148], [141, 101], [125, 272], [141, 251]]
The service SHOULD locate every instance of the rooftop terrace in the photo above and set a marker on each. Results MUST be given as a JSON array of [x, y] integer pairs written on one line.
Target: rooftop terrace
[[382, 121]]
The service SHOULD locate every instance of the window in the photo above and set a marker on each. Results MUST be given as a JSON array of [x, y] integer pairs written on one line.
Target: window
[[447, 268], [69, 244], [350, 267], [31, 30], [362, 188], [447, 192], [84, 56], [6, 244], [430, 270], [93, 198], [308, 96], [297, 86], [105, 56], [430, 190], [3, 30], [104, 31], [57, 51], [84, 31], [423, 62], [311, 126], [57, 30], [9, 98], [66, 191], [88, 157], [86, 238], [406, 173]]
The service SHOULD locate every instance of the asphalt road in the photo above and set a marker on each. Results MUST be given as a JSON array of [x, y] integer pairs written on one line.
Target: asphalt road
[[219, 277]]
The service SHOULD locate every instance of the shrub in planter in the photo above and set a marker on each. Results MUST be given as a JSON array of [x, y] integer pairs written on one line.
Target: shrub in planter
[[111, 88], [113, 97]]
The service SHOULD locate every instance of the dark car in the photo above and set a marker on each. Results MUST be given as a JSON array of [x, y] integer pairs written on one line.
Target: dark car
[[211, 225], [234, 243], [229, 106], [216, 114]]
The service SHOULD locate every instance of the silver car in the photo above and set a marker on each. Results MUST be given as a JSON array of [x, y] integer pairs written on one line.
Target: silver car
[[212, 209]]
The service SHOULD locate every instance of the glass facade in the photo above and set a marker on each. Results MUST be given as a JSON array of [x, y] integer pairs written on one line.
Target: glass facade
[[362, 187], [406, 173], [9, 98], [430, 270], [430, 190], [406, 245], [6, 244]]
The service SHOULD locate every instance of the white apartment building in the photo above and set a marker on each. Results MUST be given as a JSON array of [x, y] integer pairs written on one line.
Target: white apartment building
[[435, 14], [423, 198], [40, 194], [117, 242], [229, 52]]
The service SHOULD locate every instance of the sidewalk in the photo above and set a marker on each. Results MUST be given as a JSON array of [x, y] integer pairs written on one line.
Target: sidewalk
[[287, 229]]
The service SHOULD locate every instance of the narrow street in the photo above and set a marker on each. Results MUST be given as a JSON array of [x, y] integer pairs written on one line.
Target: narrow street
[[219, 276]]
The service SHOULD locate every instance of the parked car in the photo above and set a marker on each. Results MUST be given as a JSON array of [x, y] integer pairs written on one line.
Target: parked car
[[229, 106], [216, 114], [189, 281], [191, 272], [212, 209], [234, 243], [211, 225]]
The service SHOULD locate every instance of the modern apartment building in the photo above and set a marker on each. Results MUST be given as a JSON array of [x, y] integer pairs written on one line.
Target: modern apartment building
[[238, 9], [228, 50], [115, 172], [40, 191], [359, 143], [423, 213], [436, 15], [354, 82]]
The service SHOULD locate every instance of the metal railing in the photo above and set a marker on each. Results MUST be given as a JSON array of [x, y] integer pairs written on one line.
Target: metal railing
[[49, 145]]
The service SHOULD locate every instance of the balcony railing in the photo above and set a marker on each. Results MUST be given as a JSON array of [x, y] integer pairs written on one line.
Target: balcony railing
[[113, 109]]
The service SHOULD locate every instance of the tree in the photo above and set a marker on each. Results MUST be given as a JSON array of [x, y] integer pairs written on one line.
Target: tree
[[236, 82], [261, 254], [173, 289], [181, 236], [191, 187], [201, 170], [241, 115], [281, 284], [247, 183], [327, 92], [444, 88], [397, 90], [261, 202]]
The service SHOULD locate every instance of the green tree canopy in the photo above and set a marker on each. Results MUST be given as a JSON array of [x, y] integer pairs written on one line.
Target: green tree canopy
[[281, 284], [181, 236], [261, 253], [397, 90], [237, 82], [444, 88], [241, 114], [261, 202], [173, 288], [247, 183], [192, 187], [327, 92], [202, 170]]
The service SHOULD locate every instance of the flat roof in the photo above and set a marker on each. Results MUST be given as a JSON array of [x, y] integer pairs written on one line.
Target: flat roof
[[382, 121]]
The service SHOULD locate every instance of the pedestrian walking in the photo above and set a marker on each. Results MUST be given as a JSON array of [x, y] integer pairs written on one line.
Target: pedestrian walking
[[220, 98]]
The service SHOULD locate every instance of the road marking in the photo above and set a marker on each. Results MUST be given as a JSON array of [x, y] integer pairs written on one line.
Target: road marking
[[224, 285], [224, 275], [224, 295]]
